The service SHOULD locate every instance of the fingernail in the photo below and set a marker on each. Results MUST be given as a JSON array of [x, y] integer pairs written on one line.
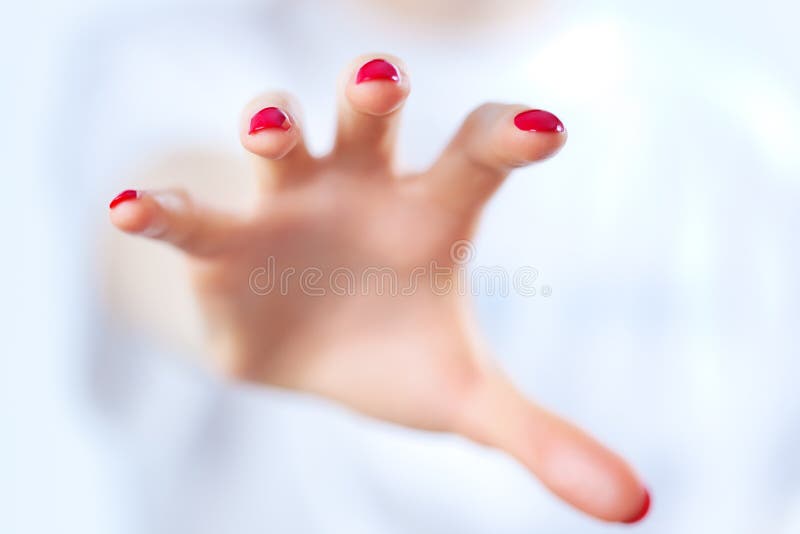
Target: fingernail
[[267, 118], [643, 512], [538, 120], [377, 69], [128, 194]]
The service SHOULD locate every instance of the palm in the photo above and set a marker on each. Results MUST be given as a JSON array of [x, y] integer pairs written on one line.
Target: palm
[[329, 290], [343, 282]]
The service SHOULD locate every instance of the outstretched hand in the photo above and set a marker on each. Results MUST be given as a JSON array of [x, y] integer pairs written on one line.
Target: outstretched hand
[[342, 282]]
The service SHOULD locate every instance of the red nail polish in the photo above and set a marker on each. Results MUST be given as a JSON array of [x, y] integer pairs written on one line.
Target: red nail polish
[[267, 118], [128, 194], [643, 512], [537, 120], [377, 69]]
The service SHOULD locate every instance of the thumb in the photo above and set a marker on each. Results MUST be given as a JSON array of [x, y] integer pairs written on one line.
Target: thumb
[[568, 461]]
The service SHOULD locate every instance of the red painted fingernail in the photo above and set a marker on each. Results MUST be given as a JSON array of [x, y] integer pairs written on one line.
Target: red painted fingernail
[[643, 512], [267, 118], [377, 69], [537, 120], [128, 194]]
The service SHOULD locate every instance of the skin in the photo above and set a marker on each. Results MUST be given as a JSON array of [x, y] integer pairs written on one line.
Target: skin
[[413, 359]]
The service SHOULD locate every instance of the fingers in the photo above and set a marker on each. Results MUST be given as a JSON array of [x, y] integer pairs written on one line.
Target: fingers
[[171, 216], [494, 139], [371, 92], [568, 461], [270, 128]]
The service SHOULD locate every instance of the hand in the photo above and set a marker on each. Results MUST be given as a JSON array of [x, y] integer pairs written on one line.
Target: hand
[[327, 286]]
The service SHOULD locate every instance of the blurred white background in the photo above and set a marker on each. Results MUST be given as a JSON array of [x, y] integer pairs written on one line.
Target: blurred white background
[[667, 230]]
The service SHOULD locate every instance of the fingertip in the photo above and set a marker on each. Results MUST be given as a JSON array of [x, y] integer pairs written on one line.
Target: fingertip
[[378, 85], [128, 213], [530, 135], [644, 509], [268, 127], [587, 474]]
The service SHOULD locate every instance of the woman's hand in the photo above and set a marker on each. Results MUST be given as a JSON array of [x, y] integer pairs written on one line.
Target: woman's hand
[[344, 281]]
